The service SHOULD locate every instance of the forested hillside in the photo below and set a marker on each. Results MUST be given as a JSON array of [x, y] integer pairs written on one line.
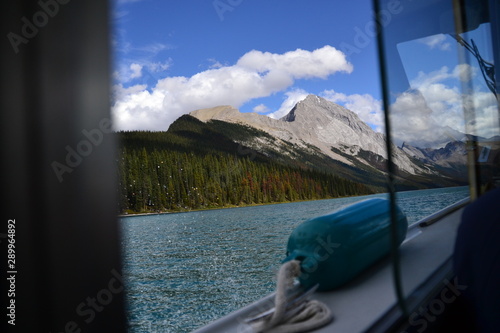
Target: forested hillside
[[193, 166]]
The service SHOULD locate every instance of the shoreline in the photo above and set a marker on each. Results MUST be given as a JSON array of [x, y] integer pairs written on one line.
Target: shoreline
[[242, 206], [255, 205]]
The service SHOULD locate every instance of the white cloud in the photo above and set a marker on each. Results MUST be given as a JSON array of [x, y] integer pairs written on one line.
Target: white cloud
[[298, 64], [137, 61], [486, 121], [128, 73], [365, 106], [119, 92], [436, 41], [411, 120], [136, 71], [463, 72], [214, 63], [139, 69], [153, 48], [261, 108], [158, 66], [140, 109], [255, 75], [432, 113]]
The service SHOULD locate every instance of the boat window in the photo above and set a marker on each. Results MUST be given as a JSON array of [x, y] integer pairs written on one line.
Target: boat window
[[440, 98]]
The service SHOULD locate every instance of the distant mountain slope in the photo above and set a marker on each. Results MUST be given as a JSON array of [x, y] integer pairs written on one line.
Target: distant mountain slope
[[258, 145], [334, 137], [454, 154], [197, 166], [220, 157], [315, 122]]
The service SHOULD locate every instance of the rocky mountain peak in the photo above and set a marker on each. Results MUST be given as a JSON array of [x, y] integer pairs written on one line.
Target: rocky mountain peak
[[307, 105], [315, 122], [315, 110], [330, 128], [454, 152]]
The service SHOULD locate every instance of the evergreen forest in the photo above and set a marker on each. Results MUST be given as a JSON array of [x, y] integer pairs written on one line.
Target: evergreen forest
[[194, 166]]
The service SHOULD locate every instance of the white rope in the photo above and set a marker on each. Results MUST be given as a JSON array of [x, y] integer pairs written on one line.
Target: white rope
[[314, 315]]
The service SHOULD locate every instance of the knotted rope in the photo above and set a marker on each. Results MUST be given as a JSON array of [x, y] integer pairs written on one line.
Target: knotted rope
[[314, 315]]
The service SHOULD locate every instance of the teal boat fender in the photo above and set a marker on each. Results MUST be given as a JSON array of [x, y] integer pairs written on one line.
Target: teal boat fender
[[335, 248]]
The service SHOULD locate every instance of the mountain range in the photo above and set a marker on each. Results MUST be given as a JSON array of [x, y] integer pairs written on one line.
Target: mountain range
[[220, 157], [321, 135]]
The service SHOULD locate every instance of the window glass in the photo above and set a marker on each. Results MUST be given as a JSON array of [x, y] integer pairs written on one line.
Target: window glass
[[441, 103]]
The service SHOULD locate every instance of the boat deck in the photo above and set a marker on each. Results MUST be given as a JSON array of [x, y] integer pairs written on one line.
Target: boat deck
[[357, 306]]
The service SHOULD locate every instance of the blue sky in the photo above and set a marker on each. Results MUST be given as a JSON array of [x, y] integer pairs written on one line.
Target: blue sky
[[155, 40], [173, 57]]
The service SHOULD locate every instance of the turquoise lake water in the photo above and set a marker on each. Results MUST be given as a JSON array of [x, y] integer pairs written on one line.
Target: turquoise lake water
[[185, 270]]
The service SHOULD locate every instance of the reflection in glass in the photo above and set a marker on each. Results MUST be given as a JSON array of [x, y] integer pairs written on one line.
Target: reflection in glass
[[440, 98]]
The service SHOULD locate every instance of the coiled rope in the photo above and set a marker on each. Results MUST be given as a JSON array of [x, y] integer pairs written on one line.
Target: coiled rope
[[313, 316]]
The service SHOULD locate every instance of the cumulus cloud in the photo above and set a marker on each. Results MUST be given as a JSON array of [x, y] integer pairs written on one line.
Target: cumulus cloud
[[486, 121], [436, 42], [297, 64], [261, 108], [128, 73], [138, 108], [120, 92], [256, 74], [136, 62], [432, 113], [136, 71], [463, 72], [214, 63], [412, 121], [158, 66]]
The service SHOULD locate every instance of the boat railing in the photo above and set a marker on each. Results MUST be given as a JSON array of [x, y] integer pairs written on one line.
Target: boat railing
[[434, 217]]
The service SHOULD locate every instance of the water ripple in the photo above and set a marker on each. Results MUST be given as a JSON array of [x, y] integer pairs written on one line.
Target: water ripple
[[185, 270]]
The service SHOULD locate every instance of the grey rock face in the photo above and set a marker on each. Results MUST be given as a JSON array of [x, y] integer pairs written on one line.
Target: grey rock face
[[317, 124]]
